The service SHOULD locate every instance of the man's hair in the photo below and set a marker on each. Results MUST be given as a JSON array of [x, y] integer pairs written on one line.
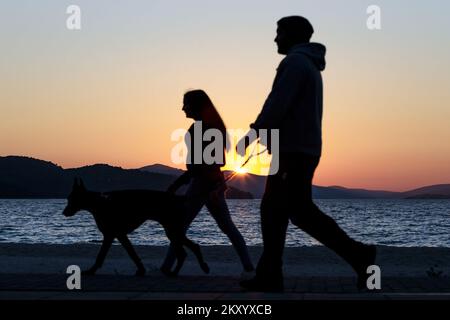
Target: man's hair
[[298, 28]]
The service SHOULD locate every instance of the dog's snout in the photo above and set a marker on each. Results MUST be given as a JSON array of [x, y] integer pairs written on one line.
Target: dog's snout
[[67, 212]]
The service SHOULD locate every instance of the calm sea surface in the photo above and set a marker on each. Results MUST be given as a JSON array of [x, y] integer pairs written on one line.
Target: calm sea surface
[[403, 223]]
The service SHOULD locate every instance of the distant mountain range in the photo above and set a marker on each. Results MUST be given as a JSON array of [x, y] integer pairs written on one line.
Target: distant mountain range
[[24, 177], [255, 184]]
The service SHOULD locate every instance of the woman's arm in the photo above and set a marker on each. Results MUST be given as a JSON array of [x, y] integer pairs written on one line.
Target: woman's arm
[[181, 180]]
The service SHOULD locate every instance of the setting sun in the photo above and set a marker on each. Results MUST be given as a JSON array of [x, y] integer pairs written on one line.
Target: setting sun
[[241, 170]]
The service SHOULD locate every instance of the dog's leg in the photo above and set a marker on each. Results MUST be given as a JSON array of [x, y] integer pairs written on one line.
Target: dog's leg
[[106, 245], [133, 255], [195, 248]]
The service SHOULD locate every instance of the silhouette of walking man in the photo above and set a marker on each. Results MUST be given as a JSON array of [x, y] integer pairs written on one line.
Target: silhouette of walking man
[[294, 106]]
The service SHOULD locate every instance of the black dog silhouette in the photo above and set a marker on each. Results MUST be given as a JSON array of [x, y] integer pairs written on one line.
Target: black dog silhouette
[[117, 213]]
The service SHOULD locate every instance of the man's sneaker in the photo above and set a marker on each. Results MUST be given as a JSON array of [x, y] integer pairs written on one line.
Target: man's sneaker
[[367, 258], [262, 286]]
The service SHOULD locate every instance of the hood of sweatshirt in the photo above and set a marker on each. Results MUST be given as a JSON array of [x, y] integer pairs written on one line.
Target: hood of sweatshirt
[[314, 51]]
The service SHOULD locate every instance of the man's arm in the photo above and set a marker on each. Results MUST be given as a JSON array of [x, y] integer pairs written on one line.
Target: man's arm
[[286, 88]]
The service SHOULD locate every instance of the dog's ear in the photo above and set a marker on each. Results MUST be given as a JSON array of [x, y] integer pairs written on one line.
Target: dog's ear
[[82, 187], [75, 183]]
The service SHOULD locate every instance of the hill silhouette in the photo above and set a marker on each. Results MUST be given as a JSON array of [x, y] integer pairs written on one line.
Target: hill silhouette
[[24, 177]]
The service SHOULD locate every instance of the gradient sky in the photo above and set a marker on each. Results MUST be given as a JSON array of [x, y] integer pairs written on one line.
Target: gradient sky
[[112, 92]]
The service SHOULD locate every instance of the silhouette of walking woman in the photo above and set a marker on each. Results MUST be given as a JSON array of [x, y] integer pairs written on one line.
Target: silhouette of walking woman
[[206, 181]]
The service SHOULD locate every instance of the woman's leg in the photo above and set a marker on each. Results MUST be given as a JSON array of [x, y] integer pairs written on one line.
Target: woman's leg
[[218, 208]]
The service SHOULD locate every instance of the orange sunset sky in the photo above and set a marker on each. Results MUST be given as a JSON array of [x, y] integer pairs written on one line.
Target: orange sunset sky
[[112, 91]]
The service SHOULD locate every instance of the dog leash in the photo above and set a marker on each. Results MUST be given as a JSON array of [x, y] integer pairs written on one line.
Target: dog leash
[[252, 154]]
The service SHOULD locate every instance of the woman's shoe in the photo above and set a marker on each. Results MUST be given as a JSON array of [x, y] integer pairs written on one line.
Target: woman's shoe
[[247, 275]]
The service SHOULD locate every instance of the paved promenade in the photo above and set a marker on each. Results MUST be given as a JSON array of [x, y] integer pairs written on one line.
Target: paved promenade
[[53, 287]]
